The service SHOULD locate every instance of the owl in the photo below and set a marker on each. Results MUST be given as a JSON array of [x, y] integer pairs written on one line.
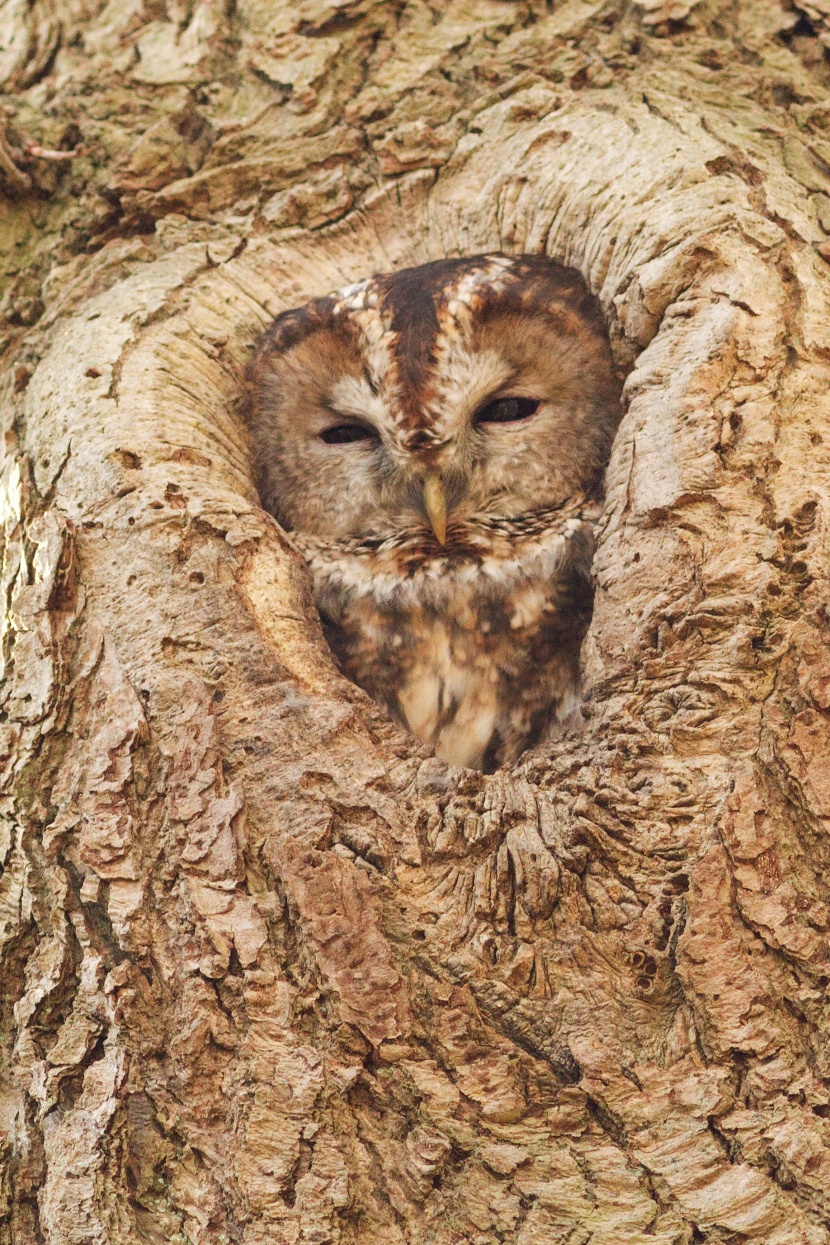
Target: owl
[[435, 439]]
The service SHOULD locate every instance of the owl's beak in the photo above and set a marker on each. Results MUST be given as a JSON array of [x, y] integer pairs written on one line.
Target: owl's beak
[[435, 501]]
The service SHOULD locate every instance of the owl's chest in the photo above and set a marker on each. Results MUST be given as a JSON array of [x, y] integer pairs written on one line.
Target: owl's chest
[[475, 671]]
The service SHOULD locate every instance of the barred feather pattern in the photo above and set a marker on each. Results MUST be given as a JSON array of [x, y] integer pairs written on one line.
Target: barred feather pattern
[[474, 644]]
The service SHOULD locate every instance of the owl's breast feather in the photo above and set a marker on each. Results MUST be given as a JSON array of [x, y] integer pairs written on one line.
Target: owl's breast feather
[[474, 645]]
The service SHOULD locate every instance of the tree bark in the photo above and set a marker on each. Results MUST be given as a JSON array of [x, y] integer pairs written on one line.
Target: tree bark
[[271, 973]]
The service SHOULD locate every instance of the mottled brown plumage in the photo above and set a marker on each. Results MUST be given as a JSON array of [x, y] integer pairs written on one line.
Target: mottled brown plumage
[[435, 440]]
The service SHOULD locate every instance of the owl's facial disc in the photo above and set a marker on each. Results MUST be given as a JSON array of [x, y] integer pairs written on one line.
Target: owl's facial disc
[[433, 398]]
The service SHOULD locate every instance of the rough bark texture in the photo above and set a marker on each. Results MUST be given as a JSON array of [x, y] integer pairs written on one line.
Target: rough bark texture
[[272, 974]]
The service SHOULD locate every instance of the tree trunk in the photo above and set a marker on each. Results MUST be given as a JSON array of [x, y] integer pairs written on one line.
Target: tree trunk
[[272, 974]]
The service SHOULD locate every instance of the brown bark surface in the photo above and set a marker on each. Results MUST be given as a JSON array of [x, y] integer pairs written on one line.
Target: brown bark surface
[[271, 974]]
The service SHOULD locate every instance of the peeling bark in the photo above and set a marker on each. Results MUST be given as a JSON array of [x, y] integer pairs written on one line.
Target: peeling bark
[[271, 973]]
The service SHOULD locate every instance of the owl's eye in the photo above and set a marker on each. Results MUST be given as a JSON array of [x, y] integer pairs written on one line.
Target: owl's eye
[[345, 434], [507, 410]]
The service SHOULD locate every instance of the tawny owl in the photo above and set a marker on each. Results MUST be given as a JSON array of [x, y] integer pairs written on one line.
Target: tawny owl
[[435, 441]]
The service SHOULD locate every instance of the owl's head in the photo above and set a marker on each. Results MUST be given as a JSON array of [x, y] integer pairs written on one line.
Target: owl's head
[[422, 398]]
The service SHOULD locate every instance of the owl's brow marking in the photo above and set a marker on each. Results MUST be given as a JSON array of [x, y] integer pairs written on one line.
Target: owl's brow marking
[[352, 396], [441, 300], [416, 301]]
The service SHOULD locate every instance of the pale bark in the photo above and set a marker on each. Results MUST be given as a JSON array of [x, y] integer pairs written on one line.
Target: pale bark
[[270, 972]]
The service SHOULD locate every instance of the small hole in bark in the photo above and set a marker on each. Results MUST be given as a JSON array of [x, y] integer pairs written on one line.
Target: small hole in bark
[[191, 456], [174, 497], [803, 28], [131, 580], [70, 1089], [127, 458], [131, 521], [805, 516], [218, 695], [816, 438], [711, 58], [196, 577], [784, 95]]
